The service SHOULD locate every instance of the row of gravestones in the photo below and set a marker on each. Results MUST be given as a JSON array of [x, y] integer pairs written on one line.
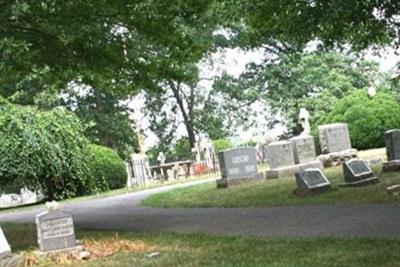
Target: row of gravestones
[[287, 157], [55, 232], [297, 155], [356, 172]]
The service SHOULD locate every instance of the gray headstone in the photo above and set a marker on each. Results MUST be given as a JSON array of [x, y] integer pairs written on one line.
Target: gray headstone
[[280, 154], [358, 172], [238, 163], [334, 137], [5, 250], [304, 149], [392, 141], [55, 230], [310, 181]]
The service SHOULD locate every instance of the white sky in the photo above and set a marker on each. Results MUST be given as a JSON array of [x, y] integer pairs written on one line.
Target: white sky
[[234, 61]]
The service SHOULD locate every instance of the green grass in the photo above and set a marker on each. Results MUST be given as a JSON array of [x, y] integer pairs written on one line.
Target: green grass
[[207, 250], [276, 192]]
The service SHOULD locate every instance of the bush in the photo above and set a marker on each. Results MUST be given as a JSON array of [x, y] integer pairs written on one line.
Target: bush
[[368, 117], [45, 150], [108, 168], [222, 144]]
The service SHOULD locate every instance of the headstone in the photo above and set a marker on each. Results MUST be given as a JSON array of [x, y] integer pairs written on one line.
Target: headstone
[[280, 154], [304, 149], [285, 160], [392, 141], [7, 259], [5, 250], [311, 181], [357, 173], [334, 137], [335, 144], [55, 231], [237, 165]]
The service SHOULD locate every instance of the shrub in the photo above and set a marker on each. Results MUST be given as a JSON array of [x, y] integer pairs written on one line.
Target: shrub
[[107, 168], [45, 150], [368, 117], [222, 144]]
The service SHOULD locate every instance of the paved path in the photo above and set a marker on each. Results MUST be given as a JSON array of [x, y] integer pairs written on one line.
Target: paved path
[[124, 213]]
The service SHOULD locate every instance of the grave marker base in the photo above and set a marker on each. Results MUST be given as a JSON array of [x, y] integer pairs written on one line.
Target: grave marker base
[[224, 183], [306, 192], [337, 158], [391, 166], [59, 251], [11, 261], [367, 181], [291, 170]]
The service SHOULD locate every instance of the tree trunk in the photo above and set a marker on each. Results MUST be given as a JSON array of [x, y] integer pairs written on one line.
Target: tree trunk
[[186, 119]]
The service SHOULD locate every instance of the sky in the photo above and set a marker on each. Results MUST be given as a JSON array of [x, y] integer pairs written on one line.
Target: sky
[[233, 61]]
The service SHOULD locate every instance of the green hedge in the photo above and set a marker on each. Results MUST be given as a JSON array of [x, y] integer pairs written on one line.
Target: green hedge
[[107, 168], [367, 117], [46, 150], [222, 144]]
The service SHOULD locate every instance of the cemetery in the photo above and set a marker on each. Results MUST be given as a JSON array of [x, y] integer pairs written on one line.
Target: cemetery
[[199, 133]]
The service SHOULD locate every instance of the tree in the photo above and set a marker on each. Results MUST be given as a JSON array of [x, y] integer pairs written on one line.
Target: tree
[[117, 48], [360, 23], [81, 38], [104, 111], [314, 81], [368, 117]]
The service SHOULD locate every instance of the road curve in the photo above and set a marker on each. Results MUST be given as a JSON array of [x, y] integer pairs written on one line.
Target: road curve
[[124, 213]]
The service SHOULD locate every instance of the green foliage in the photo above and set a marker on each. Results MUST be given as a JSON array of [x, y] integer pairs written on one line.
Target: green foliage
[[106, 118], [175, 151], [181, 150], [45, 150], [107, 168], [368, 117], [331, 22], [302, 80], [222, 144]]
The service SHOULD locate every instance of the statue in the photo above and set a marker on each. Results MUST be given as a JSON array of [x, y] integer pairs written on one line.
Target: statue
[[161, 158], [304, 117]]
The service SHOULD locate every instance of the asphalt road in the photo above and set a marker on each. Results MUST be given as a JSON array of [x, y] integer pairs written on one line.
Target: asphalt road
[[124, 213]]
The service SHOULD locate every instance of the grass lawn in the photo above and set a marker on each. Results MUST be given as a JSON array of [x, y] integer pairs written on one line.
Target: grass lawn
[[129, 249], [276, 192]]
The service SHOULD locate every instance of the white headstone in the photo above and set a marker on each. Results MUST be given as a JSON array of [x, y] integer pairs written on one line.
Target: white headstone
[[5, 250]]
